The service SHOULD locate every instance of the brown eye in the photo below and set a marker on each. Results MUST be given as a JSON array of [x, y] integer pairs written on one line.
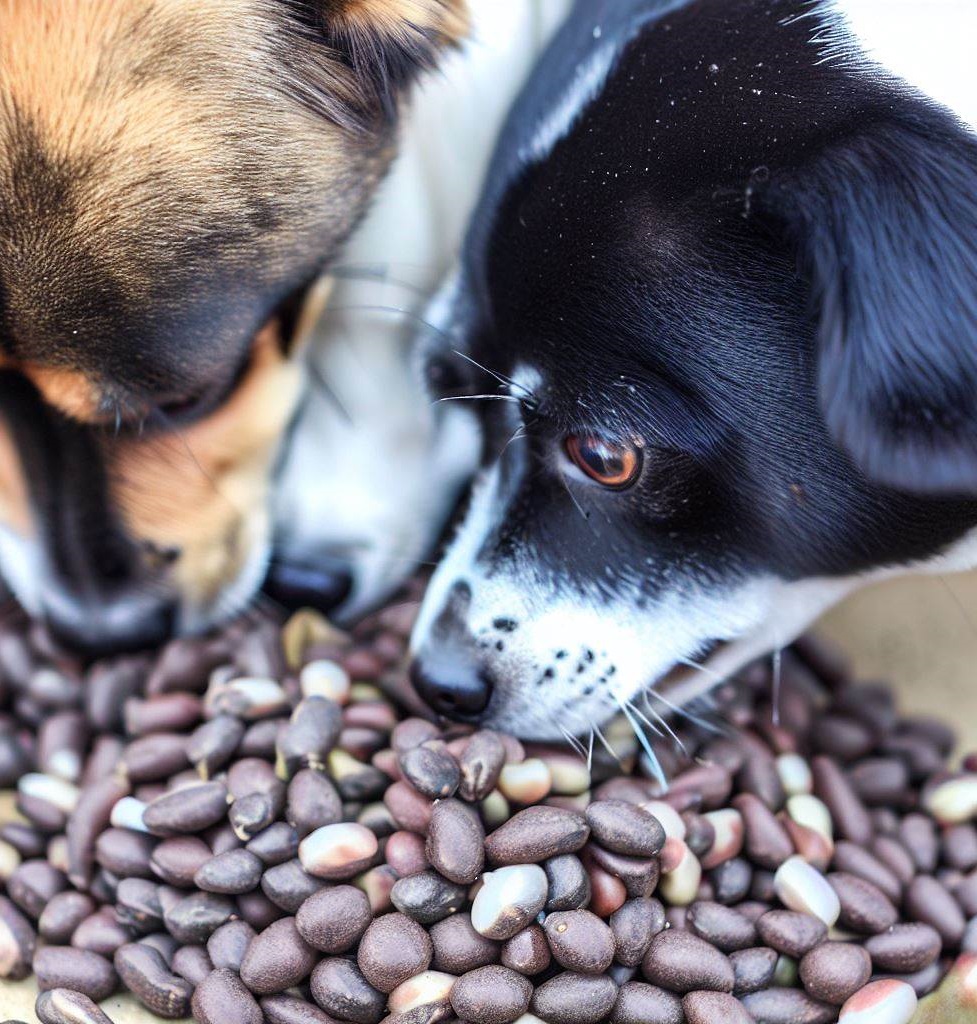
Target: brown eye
[[612, 465]]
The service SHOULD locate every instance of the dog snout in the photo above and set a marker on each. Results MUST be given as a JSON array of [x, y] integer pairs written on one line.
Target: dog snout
[[126, 624], [323, 586], [450, 682], [446, 671]]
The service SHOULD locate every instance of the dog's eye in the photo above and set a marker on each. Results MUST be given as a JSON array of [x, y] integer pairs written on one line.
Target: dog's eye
[[611, 465]]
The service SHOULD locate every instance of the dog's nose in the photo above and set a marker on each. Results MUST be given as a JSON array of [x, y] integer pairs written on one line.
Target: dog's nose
[[453, 687], [323, 587], [117, 629]]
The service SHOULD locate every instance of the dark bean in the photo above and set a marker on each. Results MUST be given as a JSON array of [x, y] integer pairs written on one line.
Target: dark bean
[[64, 1006], [17, 942], [791, 933], [275, 844], [536, 834], [753, 969], [221, 998], [455, 841], [895, 857], [527, 951], [28, 841], [312, 731], [187, 809], [213, 744], [282, 1009], [393, 949], [731, 880], [928, 902], [880, 780], [289, 885], [634, 925], [959, 846], [841, 737], [568, 883], [258, 910], [192, 963], [259, 739], [481, 764], [580, 941], [101, 932], [277, 959], [710, 1007], [340, 989], [638, 1003], [864, 907], [759, 776], [145, 974], [788, 1006], [412, 732], [62, 915], [33, 883], [457, 947], [904, 948], [491, 995], [427, 897], [61, 741], [125, 853], [639, 875], [431, 770], [851, 819], [721, 926], [177, 860], [138, 905], [196, 917], [917, 833], [855, 860], [682, 962], [228, 945], [835, 971], [574, 998], [233, 872], [766, 841], [625, 828], [155, 757], [333, 919], [76, 969]]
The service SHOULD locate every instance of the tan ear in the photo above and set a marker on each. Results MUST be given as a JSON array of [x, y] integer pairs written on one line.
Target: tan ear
[[384, 45]]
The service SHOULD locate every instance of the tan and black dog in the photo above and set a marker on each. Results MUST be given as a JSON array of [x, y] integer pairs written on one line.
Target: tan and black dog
[[174, 176]]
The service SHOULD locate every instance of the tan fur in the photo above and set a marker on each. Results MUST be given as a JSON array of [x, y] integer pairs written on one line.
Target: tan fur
[[447, 20], [202, 491], [14, 508]]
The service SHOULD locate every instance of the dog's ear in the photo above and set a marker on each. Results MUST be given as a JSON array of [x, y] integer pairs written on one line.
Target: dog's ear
[[886, 228], [380, 46]]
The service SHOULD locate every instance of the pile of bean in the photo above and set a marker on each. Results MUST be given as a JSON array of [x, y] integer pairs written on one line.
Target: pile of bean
[[261, 826]]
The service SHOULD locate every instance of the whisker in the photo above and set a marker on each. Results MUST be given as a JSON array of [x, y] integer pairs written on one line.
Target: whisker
[[478, 398], [573, 498], [775, 697], [500, 377], [572, 740], [695, 719], [653, 762]]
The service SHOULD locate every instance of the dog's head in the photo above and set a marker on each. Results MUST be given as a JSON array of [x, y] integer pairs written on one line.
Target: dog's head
[[721, 300], [173, 177]]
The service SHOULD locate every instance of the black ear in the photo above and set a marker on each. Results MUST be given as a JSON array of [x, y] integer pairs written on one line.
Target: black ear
[[354, 58], [886, 227]]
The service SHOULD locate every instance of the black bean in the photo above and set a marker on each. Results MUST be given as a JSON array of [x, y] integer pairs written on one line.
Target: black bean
[[221, 998], [568, 881], [277, 959], [332, 920], [235, 871], [427, 897], [574, 998], [536, 834], [455, 841], [638, 1003], [393, 949], [491, 995], [340, 989], [228, 945], [146, 975]]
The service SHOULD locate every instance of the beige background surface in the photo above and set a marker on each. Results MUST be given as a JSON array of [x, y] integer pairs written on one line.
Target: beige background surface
[[919, 633]]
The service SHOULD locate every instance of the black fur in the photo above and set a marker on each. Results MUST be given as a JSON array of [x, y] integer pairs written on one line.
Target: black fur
[[762, 266]]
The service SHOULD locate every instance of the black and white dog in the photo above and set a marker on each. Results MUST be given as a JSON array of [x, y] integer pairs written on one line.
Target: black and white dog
[[719, 298]]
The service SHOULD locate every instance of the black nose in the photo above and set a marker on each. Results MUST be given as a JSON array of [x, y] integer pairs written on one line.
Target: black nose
[[453, 687], [323, 587], [123, 627]]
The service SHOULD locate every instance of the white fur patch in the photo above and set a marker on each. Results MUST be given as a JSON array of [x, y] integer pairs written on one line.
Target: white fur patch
[[927, 44]]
